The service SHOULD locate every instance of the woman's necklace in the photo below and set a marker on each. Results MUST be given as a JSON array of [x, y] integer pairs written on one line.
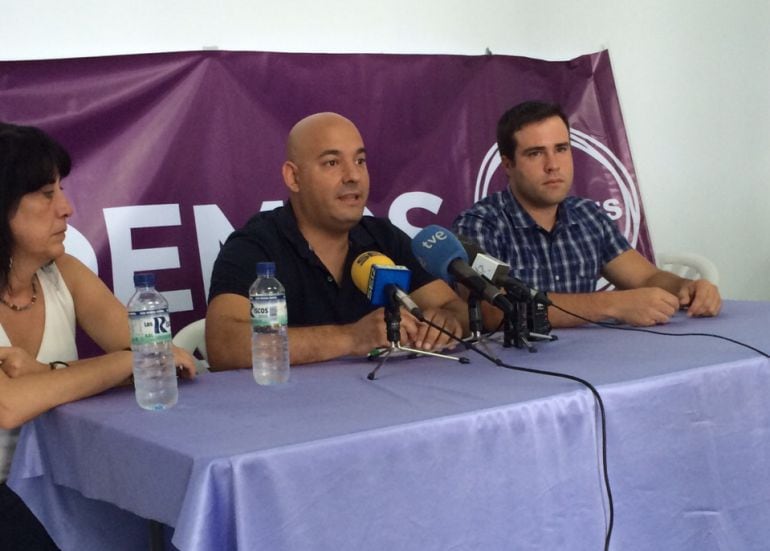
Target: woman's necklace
[[27, 306]]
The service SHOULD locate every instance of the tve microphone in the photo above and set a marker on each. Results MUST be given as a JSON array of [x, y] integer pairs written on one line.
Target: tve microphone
[[498, 272], [378, 277], [442, 255]]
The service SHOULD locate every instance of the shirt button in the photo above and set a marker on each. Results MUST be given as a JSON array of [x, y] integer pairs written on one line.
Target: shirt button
[[329, 279], [557, 278]]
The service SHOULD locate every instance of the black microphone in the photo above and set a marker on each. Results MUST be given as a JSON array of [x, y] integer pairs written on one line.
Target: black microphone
[[442, 255], [498, 272]]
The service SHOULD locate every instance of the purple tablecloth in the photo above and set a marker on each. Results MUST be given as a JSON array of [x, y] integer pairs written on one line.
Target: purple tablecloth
[[432, 455]]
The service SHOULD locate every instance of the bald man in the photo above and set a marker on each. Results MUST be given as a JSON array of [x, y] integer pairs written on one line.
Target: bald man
[[313, 241]]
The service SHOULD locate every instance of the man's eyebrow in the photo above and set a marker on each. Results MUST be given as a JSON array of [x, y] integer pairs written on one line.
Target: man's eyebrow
[[337, 152], [533, 149], [543, 148]]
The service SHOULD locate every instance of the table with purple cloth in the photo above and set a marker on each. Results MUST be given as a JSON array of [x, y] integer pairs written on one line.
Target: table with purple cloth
[[433, 455]]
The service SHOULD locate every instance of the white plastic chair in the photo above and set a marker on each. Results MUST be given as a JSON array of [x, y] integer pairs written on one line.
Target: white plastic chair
[[192, 337], [689, 265]]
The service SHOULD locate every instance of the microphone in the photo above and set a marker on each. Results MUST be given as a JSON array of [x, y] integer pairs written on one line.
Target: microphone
[[498, 272], [378, 277], [442, 255]]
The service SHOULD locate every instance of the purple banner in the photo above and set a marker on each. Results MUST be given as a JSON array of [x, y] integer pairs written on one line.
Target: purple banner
[[173, 151]]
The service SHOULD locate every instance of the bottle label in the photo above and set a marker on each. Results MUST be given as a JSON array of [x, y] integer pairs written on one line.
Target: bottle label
[[150, 327], [268, 311]]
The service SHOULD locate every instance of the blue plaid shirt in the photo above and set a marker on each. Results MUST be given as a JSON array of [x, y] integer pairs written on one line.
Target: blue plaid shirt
[[568, 259]]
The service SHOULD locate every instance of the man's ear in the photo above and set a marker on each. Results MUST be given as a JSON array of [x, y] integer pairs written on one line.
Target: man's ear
[[289, 172], [507, 163]]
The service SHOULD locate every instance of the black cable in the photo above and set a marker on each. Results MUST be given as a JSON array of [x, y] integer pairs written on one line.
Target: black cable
[[603, 419], [589, 386], [622, 327]]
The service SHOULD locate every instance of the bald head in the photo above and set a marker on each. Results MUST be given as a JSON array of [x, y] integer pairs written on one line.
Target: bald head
[[312, 130], [325, 172]]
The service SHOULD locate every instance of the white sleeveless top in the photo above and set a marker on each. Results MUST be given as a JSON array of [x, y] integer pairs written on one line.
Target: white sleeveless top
[[58, 343]]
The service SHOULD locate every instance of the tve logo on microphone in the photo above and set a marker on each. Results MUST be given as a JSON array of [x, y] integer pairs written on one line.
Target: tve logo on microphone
[[437, 234]]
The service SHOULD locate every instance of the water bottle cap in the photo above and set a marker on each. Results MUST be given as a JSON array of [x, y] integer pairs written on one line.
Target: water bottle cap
[[144, 280], [265, 269]]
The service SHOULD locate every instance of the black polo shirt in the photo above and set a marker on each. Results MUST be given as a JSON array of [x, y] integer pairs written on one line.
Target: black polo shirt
[[312, 295]]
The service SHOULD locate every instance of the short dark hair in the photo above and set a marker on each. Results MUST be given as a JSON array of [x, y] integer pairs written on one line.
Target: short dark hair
[[519, 116], [29, 160]]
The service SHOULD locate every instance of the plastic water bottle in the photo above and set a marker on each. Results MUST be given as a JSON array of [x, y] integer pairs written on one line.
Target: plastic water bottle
[[154, 370], [269, 337]]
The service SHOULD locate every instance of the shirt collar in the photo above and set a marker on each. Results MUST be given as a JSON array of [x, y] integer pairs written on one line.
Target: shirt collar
[[360, 239], [287, 224], [521, 218]]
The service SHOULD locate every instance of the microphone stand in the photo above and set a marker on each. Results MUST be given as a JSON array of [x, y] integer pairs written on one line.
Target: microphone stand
[[475, 323], [393, 332], [538, 327], [528, 313], [474, 318], [515, 330]]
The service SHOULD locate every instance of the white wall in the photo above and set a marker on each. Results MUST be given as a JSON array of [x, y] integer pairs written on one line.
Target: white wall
[[693, 78]]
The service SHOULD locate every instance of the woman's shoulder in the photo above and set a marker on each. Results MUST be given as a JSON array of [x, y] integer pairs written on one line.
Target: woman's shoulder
[[71, 270], [66, 264]]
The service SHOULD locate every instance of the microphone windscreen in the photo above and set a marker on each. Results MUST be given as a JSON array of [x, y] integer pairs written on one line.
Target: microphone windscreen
[[436, 248], [372, 272], [471, 248], [362, 268]]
